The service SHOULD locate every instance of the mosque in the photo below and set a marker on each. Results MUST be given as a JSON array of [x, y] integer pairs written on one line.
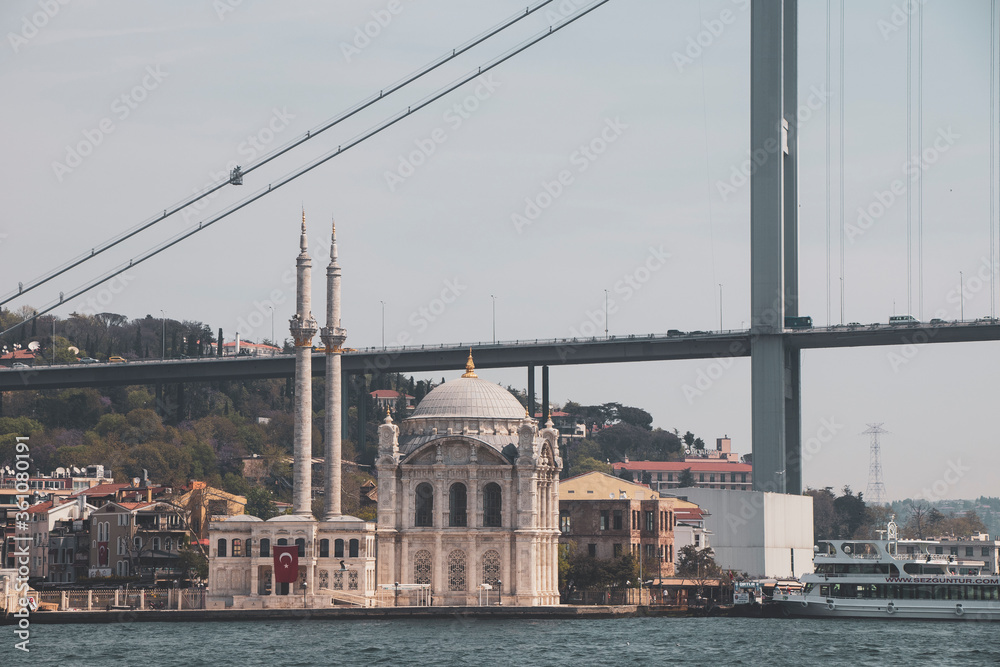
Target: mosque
[[468, 497]]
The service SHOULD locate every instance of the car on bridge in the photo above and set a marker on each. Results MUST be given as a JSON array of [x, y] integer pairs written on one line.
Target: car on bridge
[[117, 360], [903, 320], [674, 332], [88, 360]]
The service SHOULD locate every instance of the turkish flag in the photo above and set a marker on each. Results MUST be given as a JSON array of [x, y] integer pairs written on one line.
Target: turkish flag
[[286, 563], [102, 553]]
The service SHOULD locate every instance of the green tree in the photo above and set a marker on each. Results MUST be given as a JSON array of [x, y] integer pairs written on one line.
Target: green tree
[[193, 563], [686, 478], [587, 464], [698, 563], [260, 503]]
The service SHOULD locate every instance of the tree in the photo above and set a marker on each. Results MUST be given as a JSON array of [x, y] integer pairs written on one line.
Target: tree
[[587, 464], [260, 503], [686, 478], [824, 514], [851, 514], [697, 563], [193, 564]]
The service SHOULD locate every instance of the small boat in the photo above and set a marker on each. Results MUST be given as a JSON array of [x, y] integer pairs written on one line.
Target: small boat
[[872, 579]]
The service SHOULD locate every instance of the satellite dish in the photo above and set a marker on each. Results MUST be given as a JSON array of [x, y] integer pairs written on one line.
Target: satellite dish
[[34, 345], [74, 350]]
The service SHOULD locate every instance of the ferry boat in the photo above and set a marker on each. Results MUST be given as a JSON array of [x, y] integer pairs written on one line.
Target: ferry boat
[[872, 579]]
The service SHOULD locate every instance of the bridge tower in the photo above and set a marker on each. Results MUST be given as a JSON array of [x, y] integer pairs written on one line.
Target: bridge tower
[[775, 368]]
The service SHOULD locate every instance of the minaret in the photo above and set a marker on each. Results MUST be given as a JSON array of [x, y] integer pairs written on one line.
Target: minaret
[[333, 339], [303, 328]]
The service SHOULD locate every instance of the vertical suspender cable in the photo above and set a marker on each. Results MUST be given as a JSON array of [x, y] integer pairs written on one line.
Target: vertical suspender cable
[[920, 172], [909, 155], [843, 235], [828, 174], [993, 158], [708, 177]]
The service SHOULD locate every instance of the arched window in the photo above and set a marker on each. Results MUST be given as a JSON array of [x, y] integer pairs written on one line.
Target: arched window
[[221, 550], [249, 543], [282, 541], [491, 567], [456, 570], [456, 505], [156, 544], [300, 542], [338, 548], [237, 547], [422, 567], [425, 505], [265, 547], [492, 504], [324, 548], [353, 552], [168, 544]]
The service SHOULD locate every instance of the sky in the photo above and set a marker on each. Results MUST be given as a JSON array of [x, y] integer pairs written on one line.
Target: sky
[[606, 157]]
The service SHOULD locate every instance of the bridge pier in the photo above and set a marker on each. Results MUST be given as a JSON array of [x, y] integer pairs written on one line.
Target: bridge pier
[[775, 375], [545, 394], [531, 390]]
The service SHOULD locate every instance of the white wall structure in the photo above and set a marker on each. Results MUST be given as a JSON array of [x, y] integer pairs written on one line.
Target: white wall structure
[[336, 555], [762, 534], [469, 495]]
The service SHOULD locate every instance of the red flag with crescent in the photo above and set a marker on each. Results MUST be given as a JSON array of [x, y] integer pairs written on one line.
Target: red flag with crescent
[[286, 563]]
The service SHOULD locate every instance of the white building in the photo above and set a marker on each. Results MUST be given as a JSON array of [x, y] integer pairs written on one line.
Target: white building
[[469, 495], [336, 555], [762, 534]]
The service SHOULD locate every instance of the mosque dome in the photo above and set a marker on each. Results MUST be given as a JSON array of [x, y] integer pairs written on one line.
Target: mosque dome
[[469, 397]]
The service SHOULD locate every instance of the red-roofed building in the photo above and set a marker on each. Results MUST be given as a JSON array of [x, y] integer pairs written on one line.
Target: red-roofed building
[[52, 526], [101, 494], [26, 357], [708, 473], [387, 398]]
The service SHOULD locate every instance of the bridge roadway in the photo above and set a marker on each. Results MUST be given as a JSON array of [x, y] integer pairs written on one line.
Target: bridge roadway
[[507, 354]]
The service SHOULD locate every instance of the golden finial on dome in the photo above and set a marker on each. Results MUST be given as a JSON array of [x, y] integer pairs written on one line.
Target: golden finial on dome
[[470, 367]]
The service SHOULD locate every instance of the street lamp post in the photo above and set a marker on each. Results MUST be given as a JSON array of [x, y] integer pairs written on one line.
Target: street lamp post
[[163, 335], [272, 325], [305, 584], [383, 324], [961, 291], [499, 593], [605, 314], [494, 319], [720, 306]]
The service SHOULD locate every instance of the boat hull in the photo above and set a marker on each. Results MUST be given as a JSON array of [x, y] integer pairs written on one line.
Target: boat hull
[[929, 610]]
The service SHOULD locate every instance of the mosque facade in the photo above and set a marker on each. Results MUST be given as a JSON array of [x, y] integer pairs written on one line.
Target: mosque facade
[[468, 497]]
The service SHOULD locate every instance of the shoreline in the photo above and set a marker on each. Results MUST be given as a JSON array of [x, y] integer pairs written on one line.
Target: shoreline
[[561, 612]]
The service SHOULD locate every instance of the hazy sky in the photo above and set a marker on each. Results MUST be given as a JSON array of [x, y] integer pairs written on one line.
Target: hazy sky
[[115, 111]]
